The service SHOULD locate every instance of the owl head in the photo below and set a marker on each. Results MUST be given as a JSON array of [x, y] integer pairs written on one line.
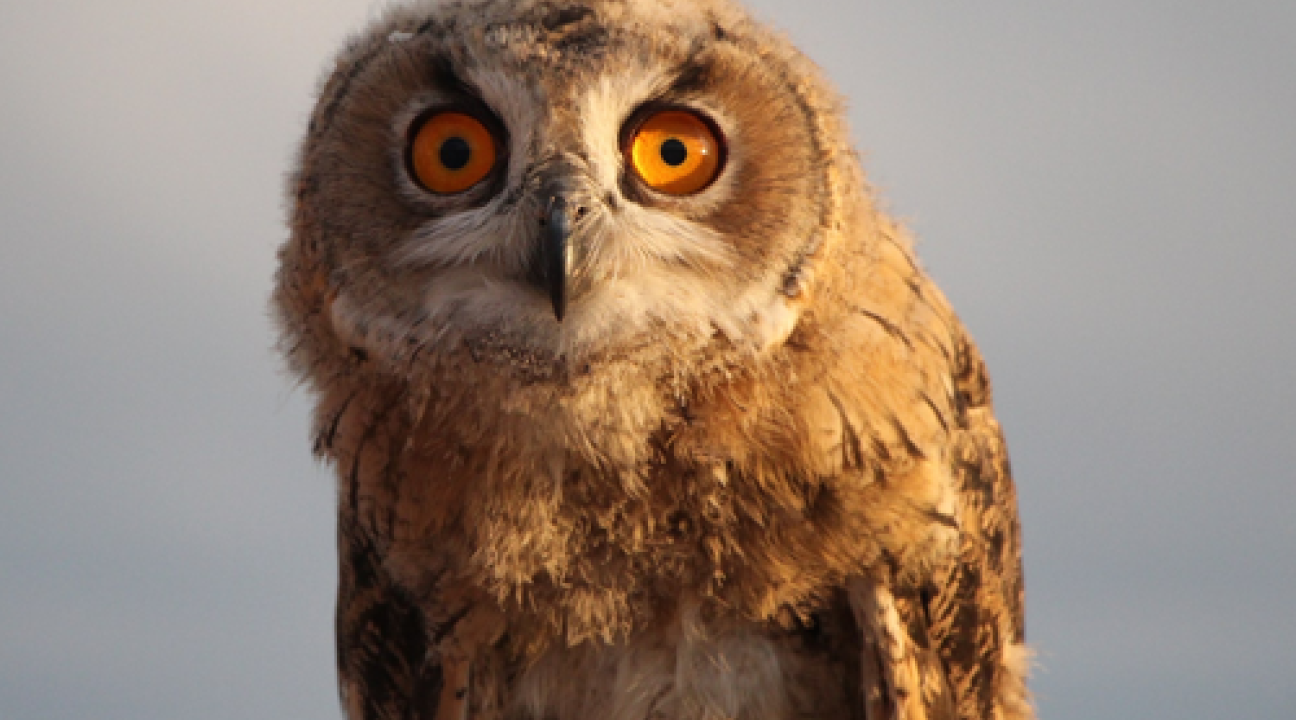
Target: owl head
[[540, 183]]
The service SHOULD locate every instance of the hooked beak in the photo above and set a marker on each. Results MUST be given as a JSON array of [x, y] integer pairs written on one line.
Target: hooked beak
[[552, 266]]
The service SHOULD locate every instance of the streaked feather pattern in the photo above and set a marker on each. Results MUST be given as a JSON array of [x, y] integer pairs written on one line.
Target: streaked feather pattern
[[754, 473]]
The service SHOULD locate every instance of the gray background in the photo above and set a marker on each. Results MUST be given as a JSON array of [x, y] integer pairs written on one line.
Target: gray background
[[1104, 188]]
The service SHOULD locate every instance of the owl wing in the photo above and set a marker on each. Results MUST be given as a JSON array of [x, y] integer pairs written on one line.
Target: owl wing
[[975, 613], [953, 649], [384, 667]]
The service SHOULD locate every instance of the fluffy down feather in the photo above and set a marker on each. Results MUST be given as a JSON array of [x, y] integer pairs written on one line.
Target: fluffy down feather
[[753, 474]]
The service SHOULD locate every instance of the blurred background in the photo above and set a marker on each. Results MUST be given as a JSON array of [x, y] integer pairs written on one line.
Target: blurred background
[[1104, 189]]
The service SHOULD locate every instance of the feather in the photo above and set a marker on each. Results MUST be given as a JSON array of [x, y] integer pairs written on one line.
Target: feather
[[752, 473]]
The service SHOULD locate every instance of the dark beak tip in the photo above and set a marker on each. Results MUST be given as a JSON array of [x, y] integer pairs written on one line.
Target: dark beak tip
[[554, 253]]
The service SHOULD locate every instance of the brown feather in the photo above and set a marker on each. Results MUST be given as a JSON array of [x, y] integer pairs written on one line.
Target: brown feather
[[754, 473]]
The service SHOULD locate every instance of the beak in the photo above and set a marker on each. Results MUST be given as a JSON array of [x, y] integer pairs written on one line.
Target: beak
[[552, 266]]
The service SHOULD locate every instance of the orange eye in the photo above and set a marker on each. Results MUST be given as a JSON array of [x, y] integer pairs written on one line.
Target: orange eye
[[452, 152], [676, 152]]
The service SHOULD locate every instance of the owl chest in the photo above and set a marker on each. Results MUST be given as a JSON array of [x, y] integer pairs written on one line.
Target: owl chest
[[686, 668], [578, 517], [713, 507]]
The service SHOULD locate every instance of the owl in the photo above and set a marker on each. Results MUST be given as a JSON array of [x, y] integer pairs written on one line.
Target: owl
[[640, 407]]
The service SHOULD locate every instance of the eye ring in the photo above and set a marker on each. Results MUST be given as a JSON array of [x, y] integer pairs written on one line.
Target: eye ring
[[451, 150], [674, 150]]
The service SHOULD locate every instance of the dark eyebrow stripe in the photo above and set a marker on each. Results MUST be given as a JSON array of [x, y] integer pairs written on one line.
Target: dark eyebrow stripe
[[692, 78], [444, 74]]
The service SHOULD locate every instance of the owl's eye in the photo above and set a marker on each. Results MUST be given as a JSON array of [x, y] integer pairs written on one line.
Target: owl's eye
[[451, 152], [676, 152]]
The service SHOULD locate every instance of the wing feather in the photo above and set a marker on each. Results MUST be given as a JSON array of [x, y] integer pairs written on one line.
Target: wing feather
[[385, 669], [974, 615]]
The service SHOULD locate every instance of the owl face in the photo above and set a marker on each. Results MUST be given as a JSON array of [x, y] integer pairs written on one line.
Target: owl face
[[566, 178]]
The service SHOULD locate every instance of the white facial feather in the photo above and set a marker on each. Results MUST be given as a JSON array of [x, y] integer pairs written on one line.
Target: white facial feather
[[490, 234], [605, 108]]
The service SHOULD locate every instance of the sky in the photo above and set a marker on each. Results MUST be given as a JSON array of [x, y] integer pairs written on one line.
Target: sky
[[1103, 188]]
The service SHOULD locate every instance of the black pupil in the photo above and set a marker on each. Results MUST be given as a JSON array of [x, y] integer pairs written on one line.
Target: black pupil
[[674, 152], [455, 153]]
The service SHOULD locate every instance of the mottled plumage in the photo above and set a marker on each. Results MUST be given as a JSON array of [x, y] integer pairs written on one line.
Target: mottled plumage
[[608, 451]]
